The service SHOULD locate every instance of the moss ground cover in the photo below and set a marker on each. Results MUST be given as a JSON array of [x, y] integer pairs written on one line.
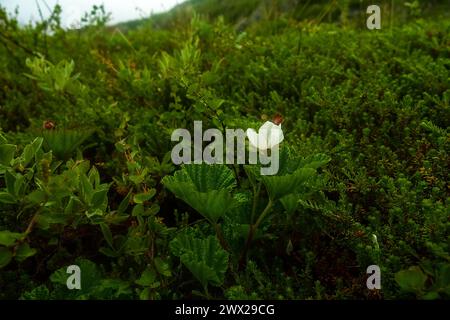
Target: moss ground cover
[[86, 176]]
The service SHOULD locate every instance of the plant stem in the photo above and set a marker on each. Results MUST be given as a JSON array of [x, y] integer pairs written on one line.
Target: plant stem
[[205, 288], [243, 259], [264, 213], [32, 223], [236, 174], [251, 233], [220, 236], [255, 201]]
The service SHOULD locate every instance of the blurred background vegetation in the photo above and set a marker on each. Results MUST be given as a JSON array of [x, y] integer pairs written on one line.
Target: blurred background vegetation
[[90, 111]]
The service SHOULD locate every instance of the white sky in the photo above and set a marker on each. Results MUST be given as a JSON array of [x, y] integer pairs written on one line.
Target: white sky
[[72, 10]]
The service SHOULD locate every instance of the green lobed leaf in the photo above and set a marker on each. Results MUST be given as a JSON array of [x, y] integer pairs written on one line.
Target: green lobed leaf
[[280, 186], [206, 188], [205, 258], [411, 280]]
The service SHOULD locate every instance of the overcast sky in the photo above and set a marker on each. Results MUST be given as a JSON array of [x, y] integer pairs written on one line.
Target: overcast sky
[[121, 10]]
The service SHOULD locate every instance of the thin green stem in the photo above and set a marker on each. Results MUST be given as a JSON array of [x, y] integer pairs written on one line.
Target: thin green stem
[[205, 288], [220, 236], [251, 234], [236, 174], [255, 201], [263, 214]]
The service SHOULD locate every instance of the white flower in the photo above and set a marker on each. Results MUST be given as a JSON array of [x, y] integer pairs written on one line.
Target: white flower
[[375, 241], [268, 136]]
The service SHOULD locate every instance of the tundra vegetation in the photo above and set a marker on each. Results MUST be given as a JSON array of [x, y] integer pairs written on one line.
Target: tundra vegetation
[[86, 177]]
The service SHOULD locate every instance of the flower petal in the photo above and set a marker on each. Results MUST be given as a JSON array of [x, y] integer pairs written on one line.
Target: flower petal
[[268, 125], [263, 137], [276, 136], [269, 135], [252, 137]]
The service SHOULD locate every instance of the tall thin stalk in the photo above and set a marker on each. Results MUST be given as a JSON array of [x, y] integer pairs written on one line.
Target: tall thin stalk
[[251, 233]]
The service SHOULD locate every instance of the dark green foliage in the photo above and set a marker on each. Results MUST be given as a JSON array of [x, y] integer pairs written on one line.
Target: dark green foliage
[[86, 176]]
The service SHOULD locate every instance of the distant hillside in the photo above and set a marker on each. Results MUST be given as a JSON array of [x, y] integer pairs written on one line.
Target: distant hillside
[[245, 12]]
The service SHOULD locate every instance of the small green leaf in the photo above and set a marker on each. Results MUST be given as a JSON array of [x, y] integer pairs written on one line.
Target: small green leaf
[[94, 213], [216, 103], [142, 197], [107, 234], [138, 210], [136, 179], [108, 252], [24, 251], [431, 296], [7, 152], [162, 267], [10, 180], [124, 204], [5, 197], [69, 208], [443, 278], [8, 238], [86, 188], [19, 185], [411, 280], [290, 202], [5, 257], [147, 278], [30, 151], [39, 293], [99, 198], [37, 197], [154, 209], [2, 139], [120, 146], [59, 276], [145, 294], [94, 177]]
